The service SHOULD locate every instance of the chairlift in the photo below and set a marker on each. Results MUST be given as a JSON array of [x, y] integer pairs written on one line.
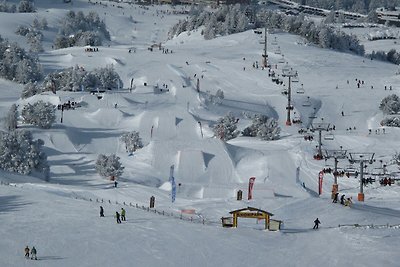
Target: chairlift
[[285, 68], [295, 79], [274, 42], [329, 136], [300, 90], [306, 103], [281, 60], [278, 51], [262, 42]]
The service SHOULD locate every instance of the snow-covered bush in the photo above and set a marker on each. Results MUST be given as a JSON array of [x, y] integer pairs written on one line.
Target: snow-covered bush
[[22, 30], [226, 127], [214, 99], [20, 153], [40, 114], [396, 159], [7, 7], [391, 122], [81, 30], [26, 6], [77, 78], [10, 121], [264, 127], [390, 104], [17, 65], [30, 89], [132, 141], [109, 166]]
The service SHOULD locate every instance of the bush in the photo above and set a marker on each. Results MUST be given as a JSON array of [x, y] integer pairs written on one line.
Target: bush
[[21, 154], [108, 166], [226, 127], [263, 127], [40, 114], [390, 104], [391, 122], [132, 141]]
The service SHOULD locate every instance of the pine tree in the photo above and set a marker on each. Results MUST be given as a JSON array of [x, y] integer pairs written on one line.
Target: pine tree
[[132, 141]]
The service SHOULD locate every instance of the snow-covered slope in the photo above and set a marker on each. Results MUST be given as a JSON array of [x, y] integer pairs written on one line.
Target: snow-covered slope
[[61, 217]]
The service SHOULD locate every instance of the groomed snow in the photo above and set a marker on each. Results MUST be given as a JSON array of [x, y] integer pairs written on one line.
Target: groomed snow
[[61, 218]]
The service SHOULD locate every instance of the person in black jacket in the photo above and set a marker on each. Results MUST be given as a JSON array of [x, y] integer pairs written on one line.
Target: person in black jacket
[[316, 223], [101, 211]]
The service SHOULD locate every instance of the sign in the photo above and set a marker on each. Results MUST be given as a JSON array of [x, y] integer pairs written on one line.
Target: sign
[[320, 180], [251, 215], [173, 184], [251, 184]]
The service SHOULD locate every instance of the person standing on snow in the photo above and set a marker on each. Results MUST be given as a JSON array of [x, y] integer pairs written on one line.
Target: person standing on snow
[[335, 198], [33, 253], [117, 217], [342, 199], [316, 223], [123, 212], [101, 211], [27, 252]]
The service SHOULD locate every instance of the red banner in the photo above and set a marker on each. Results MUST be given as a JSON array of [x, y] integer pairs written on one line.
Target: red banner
[[320, 180], [251, 184]]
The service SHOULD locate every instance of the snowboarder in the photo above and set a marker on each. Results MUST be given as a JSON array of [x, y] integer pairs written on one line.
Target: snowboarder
[[101, 211], [316, 223], [27, 252], [123, 212], [117, 216], [335, 198], [33, 253], [115, 183], [342, 199]]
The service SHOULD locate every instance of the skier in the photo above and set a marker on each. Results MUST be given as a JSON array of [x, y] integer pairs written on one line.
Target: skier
[[27, 252], [335, 198], [123, 212], [33, 253], [342, 199], [117, 216], [115, 183], [101, 211], [316, 223]]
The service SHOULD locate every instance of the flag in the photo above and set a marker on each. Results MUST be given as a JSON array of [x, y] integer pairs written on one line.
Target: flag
[[251, 184], [320, 180], [172, 181]]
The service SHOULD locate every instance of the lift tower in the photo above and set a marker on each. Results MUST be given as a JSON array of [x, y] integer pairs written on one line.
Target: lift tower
[[361, 158], [289, 72], [336, 154]]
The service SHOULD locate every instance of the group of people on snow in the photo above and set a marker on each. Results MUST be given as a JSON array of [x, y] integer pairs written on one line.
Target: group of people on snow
[[118, 216], [32, 252]]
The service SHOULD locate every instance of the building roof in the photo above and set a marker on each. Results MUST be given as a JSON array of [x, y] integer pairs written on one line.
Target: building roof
[[251, 209]]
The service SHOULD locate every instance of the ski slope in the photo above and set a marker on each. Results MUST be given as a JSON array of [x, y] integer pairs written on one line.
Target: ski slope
[[61, 217]]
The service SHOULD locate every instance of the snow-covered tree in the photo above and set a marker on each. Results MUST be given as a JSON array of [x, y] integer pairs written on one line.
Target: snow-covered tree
[[390, 104], [40, 113], [132, 141], [264, 127], [391, 122], [20, 153], [30, 89], [109, 166], [26, 6], [11, 120], [226, 127]]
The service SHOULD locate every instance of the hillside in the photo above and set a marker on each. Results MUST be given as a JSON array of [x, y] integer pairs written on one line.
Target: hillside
[[60, 218]]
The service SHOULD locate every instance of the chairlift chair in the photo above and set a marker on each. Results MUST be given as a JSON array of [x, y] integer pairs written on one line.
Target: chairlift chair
[[300, 90], [329, 136], [281, 60], [274, 42], [278, 51], [295, 79], [306, 103]]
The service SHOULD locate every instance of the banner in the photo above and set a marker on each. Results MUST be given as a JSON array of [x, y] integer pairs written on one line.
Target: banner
[[251, 184], [320, 180], [172, 181]]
